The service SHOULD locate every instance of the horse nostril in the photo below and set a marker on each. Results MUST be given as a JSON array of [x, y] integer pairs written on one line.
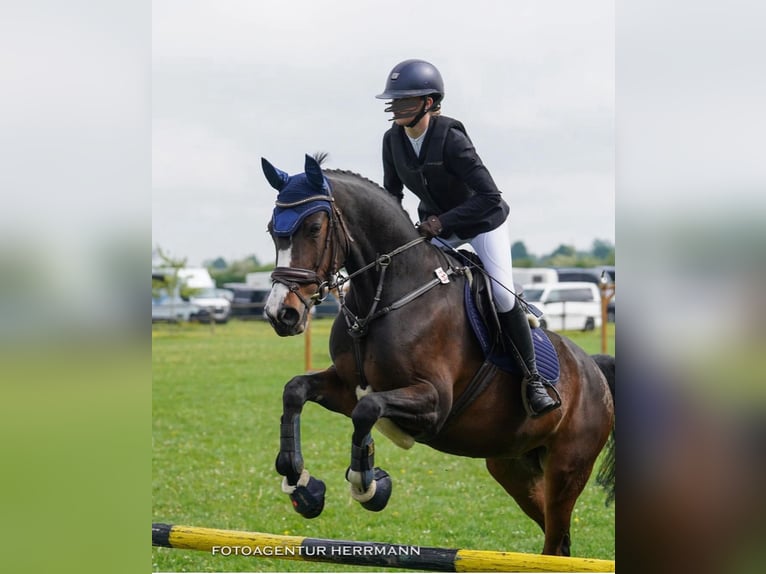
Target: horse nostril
[[289, 316]]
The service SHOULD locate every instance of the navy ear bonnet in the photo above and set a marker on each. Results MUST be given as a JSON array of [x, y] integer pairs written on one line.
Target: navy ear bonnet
[[299, 195]]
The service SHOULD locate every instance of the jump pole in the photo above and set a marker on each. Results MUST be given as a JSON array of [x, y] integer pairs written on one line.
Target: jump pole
[[376, 554]]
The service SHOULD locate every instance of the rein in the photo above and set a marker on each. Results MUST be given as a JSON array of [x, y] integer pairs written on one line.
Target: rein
[[357, 325]]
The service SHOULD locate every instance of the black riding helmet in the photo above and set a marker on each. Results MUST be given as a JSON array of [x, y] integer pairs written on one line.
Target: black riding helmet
[[413, 78]]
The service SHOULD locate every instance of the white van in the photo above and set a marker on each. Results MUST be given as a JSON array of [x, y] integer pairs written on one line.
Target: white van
[[216, 303], [527, 275], [569, 306]]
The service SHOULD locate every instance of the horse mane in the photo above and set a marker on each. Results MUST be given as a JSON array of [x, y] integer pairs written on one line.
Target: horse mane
[[322, 156], [356, 175]]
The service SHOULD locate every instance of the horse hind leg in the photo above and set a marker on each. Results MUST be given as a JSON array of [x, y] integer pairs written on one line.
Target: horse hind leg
[[565, 479], [522, 478]]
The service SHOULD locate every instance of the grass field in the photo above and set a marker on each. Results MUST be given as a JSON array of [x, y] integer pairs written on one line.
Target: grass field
[[216, 407]]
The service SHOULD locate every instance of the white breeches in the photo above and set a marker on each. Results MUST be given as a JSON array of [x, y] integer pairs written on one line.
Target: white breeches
[[494, 249]]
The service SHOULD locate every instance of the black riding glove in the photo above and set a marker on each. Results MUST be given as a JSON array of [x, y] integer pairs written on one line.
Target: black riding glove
[[431, 227]]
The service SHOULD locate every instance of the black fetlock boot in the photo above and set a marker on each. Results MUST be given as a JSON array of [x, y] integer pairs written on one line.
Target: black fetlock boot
[[518, 339]]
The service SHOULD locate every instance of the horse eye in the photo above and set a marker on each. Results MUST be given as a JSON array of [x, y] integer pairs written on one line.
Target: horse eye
[[314, 229]]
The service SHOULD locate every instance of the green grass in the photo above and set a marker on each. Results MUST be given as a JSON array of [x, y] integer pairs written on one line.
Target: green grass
[[216, 408]]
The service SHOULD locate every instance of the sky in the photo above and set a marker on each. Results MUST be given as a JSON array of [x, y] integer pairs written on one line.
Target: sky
[[234, 81]]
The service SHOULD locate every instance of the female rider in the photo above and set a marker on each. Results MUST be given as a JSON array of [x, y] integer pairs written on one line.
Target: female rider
[[434, 158]]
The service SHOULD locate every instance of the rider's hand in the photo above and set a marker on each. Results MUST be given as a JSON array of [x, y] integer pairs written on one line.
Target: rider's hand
[[431, 227]]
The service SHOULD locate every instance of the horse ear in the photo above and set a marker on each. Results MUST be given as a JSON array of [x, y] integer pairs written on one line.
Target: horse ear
[[314, 172], [277, 178]]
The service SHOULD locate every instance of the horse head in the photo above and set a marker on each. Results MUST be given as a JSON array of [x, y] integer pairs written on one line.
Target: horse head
[[302, 226]]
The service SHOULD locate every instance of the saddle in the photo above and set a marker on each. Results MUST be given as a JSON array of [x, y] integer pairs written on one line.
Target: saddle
[[482, 315]]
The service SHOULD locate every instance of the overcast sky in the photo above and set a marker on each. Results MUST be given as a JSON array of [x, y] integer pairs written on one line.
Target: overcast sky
[[235, 80]]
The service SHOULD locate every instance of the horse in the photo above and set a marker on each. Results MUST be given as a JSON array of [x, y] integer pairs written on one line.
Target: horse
[[404, 357]]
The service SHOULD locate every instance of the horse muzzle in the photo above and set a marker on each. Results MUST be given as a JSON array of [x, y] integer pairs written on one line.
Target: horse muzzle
[[287, 310], [287, 321]]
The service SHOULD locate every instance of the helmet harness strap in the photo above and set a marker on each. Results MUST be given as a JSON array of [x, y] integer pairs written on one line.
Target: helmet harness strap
[[402, 109], [420, 114]]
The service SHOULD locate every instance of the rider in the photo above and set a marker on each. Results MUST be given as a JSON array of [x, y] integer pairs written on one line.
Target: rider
[[433, 157]]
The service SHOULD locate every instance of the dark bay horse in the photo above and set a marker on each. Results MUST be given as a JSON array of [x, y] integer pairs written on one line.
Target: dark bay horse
[[403, 355]]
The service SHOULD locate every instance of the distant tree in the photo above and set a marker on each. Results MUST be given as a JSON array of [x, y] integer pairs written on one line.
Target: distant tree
[[602, 253], [562, 256], [170, 282], [602, 249], [564, 250], [584, 260], [519, 251], [217, 263], [170, 279], [236, 271], [520, 256]]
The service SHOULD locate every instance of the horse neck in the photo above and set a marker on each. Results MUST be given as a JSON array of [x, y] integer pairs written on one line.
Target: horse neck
[[378, 228]]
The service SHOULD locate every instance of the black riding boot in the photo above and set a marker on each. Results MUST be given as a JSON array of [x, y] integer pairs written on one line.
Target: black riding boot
[[518, 338]]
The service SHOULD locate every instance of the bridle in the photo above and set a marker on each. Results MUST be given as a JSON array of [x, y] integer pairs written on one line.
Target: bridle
[[295, 277]]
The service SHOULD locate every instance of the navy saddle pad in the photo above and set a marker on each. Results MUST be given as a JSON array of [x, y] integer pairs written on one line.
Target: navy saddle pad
[[545, 354]]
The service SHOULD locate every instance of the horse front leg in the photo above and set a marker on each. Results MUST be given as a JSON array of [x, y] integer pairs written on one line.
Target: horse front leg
[[306, 492], [416, 405]]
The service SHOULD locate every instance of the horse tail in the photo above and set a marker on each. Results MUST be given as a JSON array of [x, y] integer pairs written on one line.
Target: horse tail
[[605, 476]]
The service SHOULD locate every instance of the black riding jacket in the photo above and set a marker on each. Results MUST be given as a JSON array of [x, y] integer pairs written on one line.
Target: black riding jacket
[[448, 177]]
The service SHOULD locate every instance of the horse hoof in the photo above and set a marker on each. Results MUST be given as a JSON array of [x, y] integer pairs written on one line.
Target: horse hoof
[[382, 491], [308, 501]]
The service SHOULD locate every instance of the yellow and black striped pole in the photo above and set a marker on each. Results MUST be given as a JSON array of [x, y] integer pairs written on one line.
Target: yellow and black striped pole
[[375, 554]]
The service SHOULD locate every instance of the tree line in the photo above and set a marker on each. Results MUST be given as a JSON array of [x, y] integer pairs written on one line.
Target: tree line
[[600, 253]]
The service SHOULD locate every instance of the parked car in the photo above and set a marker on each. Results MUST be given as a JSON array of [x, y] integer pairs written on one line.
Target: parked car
[[567, 306], [589, 274], [248, 302], [172, 308], [527, 275], [215, 302], [227, 294]]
